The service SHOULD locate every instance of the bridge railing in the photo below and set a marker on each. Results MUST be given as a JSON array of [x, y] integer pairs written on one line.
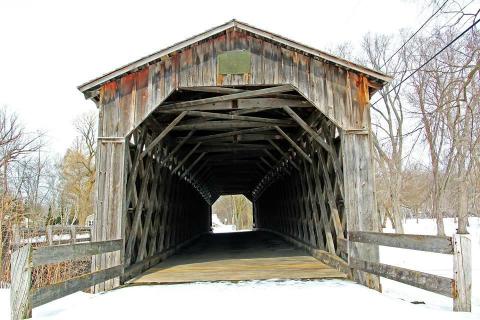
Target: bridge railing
[[23, 297], [458, 287]]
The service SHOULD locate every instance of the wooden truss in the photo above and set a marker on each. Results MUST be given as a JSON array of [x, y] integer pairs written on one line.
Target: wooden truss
[[269, 144]]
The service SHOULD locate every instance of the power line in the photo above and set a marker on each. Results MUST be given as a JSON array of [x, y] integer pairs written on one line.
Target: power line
[[414, 34], [430, 59]]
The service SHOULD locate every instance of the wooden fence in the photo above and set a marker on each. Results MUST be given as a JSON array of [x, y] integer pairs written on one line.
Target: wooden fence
[[458, 287], [50, 235], [23, 297], [13, 237]]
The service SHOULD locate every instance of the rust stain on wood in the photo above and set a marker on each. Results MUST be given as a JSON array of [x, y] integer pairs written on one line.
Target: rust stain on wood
[[362, 91], [126, 84], [108, 91]]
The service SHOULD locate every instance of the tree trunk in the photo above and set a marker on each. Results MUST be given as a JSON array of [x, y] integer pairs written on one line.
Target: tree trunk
[[437, 214], [462, 205], [397, 216]]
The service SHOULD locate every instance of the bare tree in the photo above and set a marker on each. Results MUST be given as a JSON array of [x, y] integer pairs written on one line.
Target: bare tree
[[445, 96], [15, 142], [15, 145], [234, 209], [388, 112]]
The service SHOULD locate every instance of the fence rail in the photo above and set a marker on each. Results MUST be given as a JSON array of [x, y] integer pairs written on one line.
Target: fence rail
[[23, 298], [50, 235], [458, 287], [14, 236], [428, 243]]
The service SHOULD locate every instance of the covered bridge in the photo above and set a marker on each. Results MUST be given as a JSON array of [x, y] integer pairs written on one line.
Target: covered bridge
[[233, 110]]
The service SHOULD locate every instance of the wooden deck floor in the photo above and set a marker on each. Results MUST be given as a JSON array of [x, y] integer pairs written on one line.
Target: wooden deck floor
[[237, 256]]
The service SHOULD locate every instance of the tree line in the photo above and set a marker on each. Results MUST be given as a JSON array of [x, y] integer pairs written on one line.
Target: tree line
[[425, 123], [37, 188]]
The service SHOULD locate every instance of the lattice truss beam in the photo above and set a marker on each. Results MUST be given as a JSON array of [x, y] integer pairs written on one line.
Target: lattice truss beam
[[269, 144]]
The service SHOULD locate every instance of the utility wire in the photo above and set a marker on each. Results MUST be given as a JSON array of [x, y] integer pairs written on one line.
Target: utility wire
[[414, 34], [430, 59]]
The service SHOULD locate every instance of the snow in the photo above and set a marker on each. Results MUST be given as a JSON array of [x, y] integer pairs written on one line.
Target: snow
[[220, 227], [281, 299], [55, 237], [4, 304], [267, 299]]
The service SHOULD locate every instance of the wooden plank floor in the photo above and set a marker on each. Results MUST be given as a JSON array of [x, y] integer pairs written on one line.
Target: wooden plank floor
[[254, 255]]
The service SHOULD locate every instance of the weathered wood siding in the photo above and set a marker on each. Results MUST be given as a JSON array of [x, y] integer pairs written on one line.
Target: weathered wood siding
[[342, 96], [128, 101], [110, 204]]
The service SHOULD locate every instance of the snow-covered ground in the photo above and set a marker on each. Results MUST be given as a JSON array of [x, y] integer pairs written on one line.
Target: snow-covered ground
[[280, 299], [332, 299], [219, 227]]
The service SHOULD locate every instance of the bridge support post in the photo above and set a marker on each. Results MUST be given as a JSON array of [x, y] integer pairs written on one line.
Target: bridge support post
[[360, 203], [110, 206], [359, 175]]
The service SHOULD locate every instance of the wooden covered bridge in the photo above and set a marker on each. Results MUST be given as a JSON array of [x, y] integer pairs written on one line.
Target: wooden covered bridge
[[238, 110]]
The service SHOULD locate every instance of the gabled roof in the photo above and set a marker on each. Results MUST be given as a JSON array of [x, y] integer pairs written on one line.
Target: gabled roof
[[97, 82]]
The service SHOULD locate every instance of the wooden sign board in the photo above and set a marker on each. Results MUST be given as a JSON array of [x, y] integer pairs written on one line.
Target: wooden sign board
[[234, 62]]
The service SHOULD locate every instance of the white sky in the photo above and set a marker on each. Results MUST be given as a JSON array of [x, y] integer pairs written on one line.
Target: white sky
[[48, 48]]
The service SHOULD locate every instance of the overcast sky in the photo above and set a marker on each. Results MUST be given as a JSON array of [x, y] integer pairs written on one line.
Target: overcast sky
[[48, 48]]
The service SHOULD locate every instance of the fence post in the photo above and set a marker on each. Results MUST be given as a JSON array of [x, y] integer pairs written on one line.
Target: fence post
[[73, 234], [462, 273], [49, 235], [21, 281], [16, 237]]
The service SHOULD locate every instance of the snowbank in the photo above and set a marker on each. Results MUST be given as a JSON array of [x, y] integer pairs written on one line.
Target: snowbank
[[256, 299]]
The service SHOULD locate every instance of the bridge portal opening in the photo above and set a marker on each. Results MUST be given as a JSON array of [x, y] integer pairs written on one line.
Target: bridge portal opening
[[234, 110], [232, 213], [266, 161]]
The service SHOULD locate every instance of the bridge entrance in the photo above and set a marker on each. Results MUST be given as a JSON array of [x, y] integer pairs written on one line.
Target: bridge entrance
[[234, 110]]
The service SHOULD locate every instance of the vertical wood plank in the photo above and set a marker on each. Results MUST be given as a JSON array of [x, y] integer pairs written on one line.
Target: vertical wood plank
[[16, 237], [360, 204], [21, 281], [462, 273]]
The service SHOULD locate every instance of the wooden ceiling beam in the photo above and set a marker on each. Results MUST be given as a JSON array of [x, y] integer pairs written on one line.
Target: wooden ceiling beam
[[238, 155], [240, 138], [231, 147], [284, 154], [308, 129], [178, 146], [180, 164], [226, 90], [294, 144], [213, 115], [233, 133], [225, 125], [193, 164], [239, 105], [229, 97], [162, 135]]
